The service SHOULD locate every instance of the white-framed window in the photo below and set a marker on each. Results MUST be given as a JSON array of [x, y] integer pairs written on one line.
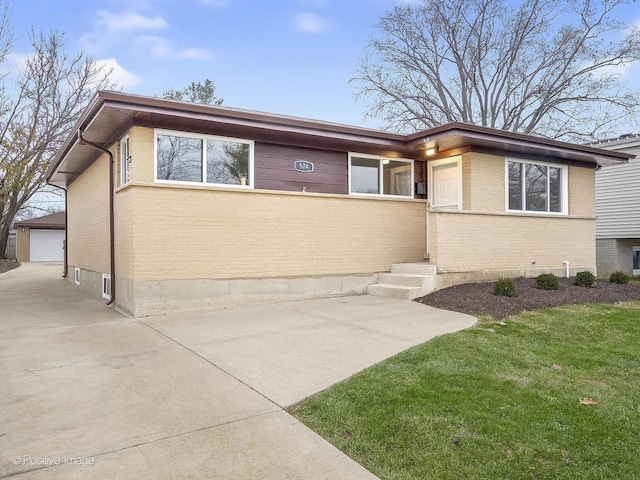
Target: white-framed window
[[375, 175], [125, 160], [193, 158], [536, 187], [106, 286], [636, 260], [445, 183], [76, 275]]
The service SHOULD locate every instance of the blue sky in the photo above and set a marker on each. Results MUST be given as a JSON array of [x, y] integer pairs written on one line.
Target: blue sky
[[284, 56], [291, 57]]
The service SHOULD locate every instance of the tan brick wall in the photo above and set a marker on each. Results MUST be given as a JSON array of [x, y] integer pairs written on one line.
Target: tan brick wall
[[88, 218], [23, 244], [141, 149], [582, 188], [462, 242], [483, 182], [486, 189], [199, 232]]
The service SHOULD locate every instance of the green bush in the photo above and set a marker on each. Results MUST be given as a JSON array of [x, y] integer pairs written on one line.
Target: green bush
[[547, 281], [505, 288], [585, 279], [619, 277]]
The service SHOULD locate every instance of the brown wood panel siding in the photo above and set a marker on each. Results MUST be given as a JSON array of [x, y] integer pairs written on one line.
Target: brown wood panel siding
[[274, 169], [419, 175]]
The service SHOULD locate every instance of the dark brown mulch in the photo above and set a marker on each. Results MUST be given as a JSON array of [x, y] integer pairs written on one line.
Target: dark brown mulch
[[8, 264], [478, 298]]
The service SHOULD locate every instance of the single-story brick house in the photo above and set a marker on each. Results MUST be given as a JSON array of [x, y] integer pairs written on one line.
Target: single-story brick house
[[41, 239], [174, 205]]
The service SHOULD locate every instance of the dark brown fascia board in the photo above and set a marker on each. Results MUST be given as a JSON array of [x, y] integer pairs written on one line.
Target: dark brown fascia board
[[267, 121], [90, 111], [485, 133], [264, 123], [143, 103]]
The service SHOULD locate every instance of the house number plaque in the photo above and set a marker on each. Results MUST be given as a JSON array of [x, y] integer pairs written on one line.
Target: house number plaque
[[303, 166]]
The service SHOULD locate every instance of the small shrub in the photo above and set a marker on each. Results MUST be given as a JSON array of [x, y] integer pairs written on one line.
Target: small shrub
[[619, 277], [585, 279], [547, 281], [505, 288]]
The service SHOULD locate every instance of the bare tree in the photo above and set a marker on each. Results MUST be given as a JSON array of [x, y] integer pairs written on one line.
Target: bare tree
[[552, 68], [40, 100], [196, 92]]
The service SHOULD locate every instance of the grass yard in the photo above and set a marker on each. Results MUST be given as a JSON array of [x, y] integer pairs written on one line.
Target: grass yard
[[498, 401]]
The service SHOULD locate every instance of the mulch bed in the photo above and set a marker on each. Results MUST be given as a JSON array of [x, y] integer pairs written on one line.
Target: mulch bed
[[6, 265], [478, 299]]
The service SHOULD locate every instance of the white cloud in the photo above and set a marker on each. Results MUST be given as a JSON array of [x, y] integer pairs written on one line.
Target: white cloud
[[111, 28], [125, 78], [310, 23], [129, 20], [161, 47]]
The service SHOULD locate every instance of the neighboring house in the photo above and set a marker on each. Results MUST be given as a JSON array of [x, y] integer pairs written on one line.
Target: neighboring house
[[618, 210], [41, 239], [213, 206]]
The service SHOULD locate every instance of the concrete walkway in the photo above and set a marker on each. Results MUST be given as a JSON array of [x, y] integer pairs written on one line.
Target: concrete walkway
[[88, 393]]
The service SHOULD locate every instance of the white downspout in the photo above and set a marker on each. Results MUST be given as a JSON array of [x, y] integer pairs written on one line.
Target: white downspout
[[428, 235], [567, 265]]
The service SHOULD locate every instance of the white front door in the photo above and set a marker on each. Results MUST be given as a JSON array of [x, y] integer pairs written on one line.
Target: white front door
[[445, 183]]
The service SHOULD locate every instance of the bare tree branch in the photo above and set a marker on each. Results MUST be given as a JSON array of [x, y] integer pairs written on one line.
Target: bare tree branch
[[544, 67], [39, 104]]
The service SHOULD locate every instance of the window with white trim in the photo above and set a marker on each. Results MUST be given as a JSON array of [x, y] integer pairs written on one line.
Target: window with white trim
[[125, 160], [182, 157], [636, 260], [374, 175], [76, 275], [106, 286], [536, 187]]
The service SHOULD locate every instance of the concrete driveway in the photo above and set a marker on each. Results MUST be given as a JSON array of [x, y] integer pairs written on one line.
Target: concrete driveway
[[88, 393]]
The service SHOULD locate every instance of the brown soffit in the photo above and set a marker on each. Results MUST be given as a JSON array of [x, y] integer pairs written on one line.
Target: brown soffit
[[109, 114]]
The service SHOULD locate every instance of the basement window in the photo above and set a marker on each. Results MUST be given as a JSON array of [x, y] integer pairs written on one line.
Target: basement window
[[76, 275], [106, 286]]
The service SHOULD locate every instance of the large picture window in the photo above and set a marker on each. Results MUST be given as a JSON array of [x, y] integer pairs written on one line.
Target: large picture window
[[373, 175], [203, 159], [536, 187]]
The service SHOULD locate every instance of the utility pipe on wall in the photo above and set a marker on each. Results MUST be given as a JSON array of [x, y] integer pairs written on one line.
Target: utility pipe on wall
[[112, 256], [567, 265]]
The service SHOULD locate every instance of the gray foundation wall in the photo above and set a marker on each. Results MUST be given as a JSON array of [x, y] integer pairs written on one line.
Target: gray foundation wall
[[613, 254], [144, 298]]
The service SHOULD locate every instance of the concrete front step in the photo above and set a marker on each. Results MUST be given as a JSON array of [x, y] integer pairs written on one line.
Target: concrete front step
[[404, 279], [414, 268], [395, 291]]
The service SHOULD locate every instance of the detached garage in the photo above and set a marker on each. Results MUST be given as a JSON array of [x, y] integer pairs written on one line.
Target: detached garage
[[41, 239]]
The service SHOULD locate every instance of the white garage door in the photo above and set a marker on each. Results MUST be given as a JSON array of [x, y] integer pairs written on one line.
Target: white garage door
[[46, 245]]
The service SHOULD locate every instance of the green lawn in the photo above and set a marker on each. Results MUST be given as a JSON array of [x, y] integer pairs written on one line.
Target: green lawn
[[498, 401]]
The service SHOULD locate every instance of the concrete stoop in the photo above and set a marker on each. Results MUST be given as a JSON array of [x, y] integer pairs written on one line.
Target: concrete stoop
[[406, 280]]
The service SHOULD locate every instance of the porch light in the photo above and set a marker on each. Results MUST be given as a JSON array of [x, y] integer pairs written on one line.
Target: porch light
[[385, 161], [430, 147]]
